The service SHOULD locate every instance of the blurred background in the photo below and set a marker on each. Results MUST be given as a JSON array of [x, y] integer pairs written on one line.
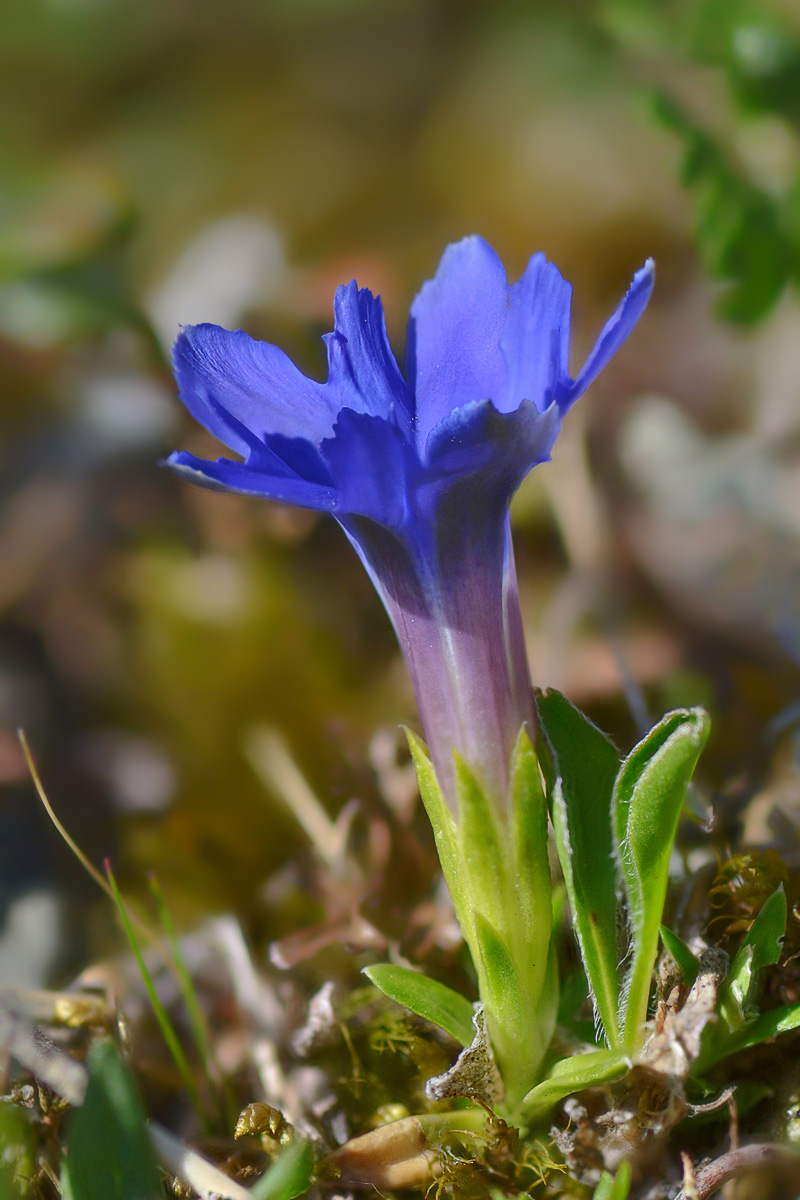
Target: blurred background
[[176, 656]]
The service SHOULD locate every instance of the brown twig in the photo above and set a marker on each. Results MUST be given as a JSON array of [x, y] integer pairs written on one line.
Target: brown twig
[[708, 1180]]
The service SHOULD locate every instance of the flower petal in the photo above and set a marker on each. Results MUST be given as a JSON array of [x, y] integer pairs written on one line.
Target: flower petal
[[615, 332], [479, 438], [225, 475], [301, 457], [369, 460], [363, 374], [497, 448], [536, 337], [454, 334], [228, 380]]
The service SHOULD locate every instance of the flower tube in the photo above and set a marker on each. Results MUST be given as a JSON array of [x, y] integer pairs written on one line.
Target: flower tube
[[419, 471]]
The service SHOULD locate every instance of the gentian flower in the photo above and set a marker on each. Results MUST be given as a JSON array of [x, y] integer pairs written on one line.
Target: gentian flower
[[418, 470]]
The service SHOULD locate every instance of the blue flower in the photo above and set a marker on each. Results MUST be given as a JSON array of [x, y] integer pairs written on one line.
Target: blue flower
[[419, 470]]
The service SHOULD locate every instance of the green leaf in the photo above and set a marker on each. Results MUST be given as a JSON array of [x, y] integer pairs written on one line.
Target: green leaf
[[580, 768], [442, 823], [742, 230], [289, 1176], [528, 819], [760, 948], [767, 932], [736, 987], [605, 1187], [768, 1025], [648, 797], [614, 1187], [499, 981], [547, 1005], [622, 1181], [482, 860], [426, 997], [765, 939], [108, 1152], [19, 1141], [519, 1027], [687, 962], [574, 1075]]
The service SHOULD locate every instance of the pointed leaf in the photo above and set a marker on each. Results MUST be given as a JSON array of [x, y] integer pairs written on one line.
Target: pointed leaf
[[528, 819], [289, 1176], [547, 1005], [737, 985], [528, 917], [481, 855], [768, 1025], [499, 981], [760, 948], [441, 819], [765, 936], [572, 1075], [520, 1026], [614, 1187], [109, 1153], [648, 797], [426, 997], [580, 767], [605, 1185], [687, 962]]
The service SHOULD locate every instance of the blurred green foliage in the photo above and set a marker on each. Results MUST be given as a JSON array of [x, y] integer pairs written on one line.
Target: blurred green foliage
[[108, 1152], [18, 1142], [741, 163]]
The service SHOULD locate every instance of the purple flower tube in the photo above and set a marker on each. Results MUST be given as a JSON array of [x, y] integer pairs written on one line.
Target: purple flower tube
[[419, 471]]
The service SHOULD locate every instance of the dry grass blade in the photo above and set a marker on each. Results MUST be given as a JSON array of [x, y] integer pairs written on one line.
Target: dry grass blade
[[271, 760], [206, 1179], [37, 1054], [73, 1009], [85, 862]]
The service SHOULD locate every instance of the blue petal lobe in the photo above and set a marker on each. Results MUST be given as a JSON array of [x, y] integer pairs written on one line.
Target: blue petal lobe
[[490, 450], [228, 476], [616, 331], [301, 457], [230, 382], [536, 336], [362, 372], [370, 462], [454, 334]]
